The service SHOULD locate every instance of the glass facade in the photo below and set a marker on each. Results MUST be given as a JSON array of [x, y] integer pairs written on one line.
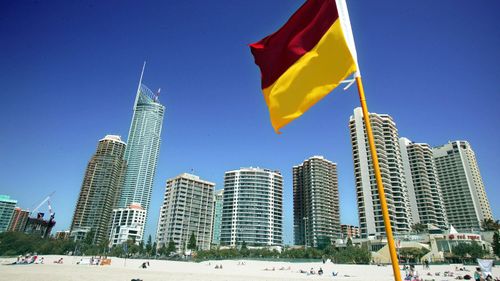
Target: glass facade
[[143, 147], [7, 206], [218, 200]]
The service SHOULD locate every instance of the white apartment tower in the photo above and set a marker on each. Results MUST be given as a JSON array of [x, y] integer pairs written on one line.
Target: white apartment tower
[[391, 167], [187, 208], [252, 208], [462, 186], [424, 191], [127, 224]]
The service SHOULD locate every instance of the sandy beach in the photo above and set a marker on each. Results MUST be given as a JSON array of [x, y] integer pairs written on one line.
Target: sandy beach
[[232, 270]]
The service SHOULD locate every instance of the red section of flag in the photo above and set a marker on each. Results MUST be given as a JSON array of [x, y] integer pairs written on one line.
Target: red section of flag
[[277, 52]]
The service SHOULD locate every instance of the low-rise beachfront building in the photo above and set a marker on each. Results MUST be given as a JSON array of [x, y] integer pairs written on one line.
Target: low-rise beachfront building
[[438, 244], [127, 224], [351, 231], [62, 235]]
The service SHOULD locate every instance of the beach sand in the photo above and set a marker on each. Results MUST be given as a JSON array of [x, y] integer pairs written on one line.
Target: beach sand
[[121, 270]]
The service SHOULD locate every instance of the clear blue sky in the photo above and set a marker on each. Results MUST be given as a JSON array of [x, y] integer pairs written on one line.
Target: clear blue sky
[[69, 72]]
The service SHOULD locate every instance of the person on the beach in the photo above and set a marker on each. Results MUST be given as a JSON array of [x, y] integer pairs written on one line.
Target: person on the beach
[[320, 271], [478, 275]]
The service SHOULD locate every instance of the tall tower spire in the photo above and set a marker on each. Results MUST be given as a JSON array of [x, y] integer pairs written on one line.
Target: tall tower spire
[[143, 148], [139, 86]]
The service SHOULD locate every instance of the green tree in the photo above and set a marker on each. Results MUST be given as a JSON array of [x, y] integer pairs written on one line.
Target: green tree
[[162, 251], [171, 247], [496, 244], [412, 253], [349, 241], [18, 243], [490, 225], [141, 249], [89, 237], [323, 242], [104, 246], [353, 255], [192, 242], [88, 247], [244, 252], [117, 251], [243, 246], [419, 227], [153, 250], [133, 248], [468, 251], [149, 245]]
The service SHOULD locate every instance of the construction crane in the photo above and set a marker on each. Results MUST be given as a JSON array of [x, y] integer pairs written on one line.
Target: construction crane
[[47, 199], [35, 224]]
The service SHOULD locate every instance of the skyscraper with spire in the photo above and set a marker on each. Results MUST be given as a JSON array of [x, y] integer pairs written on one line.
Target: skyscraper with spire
[[143, 147]]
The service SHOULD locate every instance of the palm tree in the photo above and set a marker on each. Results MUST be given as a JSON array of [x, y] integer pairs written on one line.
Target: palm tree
[[490, 225]]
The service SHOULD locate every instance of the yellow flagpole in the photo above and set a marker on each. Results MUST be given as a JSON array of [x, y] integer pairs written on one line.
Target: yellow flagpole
[[378, 177]]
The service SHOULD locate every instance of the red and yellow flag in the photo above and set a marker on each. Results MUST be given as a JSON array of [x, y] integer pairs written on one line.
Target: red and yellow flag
[[303, 61]]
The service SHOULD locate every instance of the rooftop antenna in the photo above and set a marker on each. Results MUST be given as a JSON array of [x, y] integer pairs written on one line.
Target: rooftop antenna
[[157, 95], [139, 86]]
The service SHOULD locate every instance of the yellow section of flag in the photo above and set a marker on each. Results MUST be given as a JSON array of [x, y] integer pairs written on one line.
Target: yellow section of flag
[[310, 79]]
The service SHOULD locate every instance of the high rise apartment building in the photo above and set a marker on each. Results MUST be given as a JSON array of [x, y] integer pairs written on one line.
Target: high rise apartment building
[[187, 208], [127, 224], [462, 186], [391, 167], [19, 220], [424, 191], [316, 202], [100, 189], [143, 148], [217, 216], [7, 206], [253, 208]]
